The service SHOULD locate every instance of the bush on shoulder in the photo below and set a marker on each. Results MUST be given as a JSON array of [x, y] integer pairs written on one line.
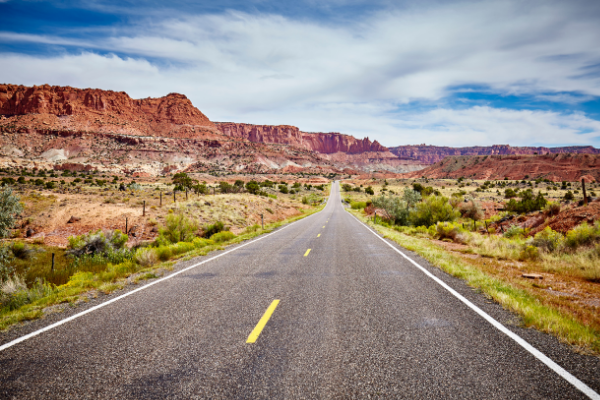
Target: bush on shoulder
[[450, 231], [222, 237], [98, 242], [178, 228], [431, 210]]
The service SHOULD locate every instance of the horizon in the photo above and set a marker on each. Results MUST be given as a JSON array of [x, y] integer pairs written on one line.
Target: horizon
[[459, 74]]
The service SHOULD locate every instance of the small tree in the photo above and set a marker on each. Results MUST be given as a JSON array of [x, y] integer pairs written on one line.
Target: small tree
[[182, 181], [411, 197], [393, 207], [253, 187], [369, 190], [10, 208]]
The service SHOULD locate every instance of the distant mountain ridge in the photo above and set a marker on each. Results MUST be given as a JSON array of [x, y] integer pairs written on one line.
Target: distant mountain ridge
[[427, 154]]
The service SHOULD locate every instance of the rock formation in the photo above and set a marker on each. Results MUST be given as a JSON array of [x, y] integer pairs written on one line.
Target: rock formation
[[325, 143], [555, 167], [103, 110], [426, 154]]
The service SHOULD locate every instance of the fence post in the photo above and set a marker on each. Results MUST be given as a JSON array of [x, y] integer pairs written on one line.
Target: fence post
[[186, 194], [126, 225], [161, 199], [262, 220], [52, 269], [474, 225], [144, 208]]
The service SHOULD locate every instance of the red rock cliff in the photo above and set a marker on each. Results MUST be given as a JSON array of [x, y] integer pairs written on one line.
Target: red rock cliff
[[95, 105], [326, 143]]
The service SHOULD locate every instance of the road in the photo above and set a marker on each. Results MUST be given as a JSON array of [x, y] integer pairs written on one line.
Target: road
[[354, 320]]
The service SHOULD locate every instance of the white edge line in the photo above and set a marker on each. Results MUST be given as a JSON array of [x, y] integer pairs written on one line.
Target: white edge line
[[522, 342], [81, 314]]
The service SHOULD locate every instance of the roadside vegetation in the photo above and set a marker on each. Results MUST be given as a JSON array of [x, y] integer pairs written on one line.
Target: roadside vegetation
[[37, 277], [550, 277]]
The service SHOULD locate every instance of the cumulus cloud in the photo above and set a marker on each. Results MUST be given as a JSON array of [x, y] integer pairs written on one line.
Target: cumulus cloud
[[361, 78]]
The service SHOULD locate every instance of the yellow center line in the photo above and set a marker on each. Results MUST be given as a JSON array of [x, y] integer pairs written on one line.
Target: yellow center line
[[307, 251], [263, 321], [318, 235]]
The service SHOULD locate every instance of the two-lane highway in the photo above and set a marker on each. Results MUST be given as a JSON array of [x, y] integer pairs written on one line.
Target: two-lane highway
[[321, 309]]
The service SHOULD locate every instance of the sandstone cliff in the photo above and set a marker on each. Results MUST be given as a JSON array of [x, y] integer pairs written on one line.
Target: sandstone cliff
[[325, 143], [432, 154], [103, 110]]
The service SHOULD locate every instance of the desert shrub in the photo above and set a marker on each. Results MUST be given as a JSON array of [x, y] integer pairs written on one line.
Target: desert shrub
[[222, 236], [394, 209], [14, 293], [411, 197], [529, 252], [211, 229], [269, 210], [97, 243], [253, 187], [178, 228], [569, 196], [21, 251], [552, 208], [164, 253], [252, 228], [146, 257], [548, 240], [200, 242], [346, 187], [369, 190], [528, 203], [514, 231], [509, 193], [583, 234], [447, 230], [183, 247], [431, 210], [284, 189], [471, 209], [358, 205]]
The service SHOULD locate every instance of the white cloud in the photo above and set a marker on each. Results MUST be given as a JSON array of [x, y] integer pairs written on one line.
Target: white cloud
[[350, 78]]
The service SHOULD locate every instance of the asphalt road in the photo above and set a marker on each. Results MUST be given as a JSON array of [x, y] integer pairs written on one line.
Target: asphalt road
[[355, 320]]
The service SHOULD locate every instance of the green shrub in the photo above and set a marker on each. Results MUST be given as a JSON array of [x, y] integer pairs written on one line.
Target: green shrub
[[583, 234], [211, 229], [146, 257], [394, 209], [471, 209], [514, 231], [99, 242], [164, 253], [529, 252], [252, 228], [548, 240], [21, 251], [447, 230], [553, 208], [200, 242], [431, 210], [358, 205], [178, 228], [527, 203], [222, 236]]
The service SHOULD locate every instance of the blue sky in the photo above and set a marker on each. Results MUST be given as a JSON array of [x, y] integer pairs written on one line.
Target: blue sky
[[459, 73]]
